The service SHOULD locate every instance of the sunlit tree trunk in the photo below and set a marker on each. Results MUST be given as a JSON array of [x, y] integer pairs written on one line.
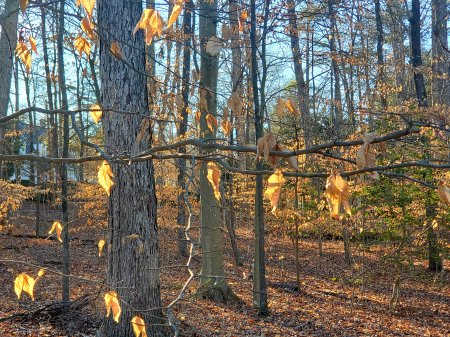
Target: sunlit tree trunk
[[132, 263]]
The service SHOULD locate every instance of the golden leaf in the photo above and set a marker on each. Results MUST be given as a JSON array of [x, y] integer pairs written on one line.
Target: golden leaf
[[87, 28], [198, 115], [213, 46], [88, 6], [337, 194], [23, 5], [366, 155], [32, 43], [273, 189], [56, 227], [24, 282], [214, 178], [211, 122], [290, 105], [112, 305], [235, 103], [105, 176], [82, 46], [95, 112], [24, 54], [101, 244], [152, 24], [292, 161], [176, 11], [41, 273], [138, 325], [444, 193], [265, 144], [242, 17], [226, 125], [115, 50]]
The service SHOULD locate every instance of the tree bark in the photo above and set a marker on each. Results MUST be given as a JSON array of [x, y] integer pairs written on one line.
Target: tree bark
[[132, 263], [259, 265], [213, 282]]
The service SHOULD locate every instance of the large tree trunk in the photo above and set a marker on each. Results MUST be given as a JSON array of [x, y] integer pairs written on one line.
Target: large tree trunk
[[132, 263], [8, 41], [380, 58], [213, 283]]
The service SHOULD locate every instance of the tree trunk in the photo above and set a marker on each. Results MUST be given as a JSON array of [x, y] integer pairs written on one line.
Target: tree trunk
[[132, 263], [181, 218], [302, 86], [213, 283], [8, 41], [440, 58], [259, 265], [380, 58], [65, 154]]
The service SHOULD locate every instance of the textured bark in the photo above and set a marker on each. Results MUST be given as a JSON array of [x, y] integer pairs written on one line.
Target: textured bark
[[416, 54], [440, 57], [302, 86], [259, 263], [338, 119], [65, 154], [181, 217], [132, 263], [380, 58], [8, 41], [214, 285]]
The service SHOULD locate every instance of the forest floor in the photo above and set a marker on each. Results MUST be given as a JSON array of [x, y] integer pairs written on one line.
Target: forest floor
[[335, 299]]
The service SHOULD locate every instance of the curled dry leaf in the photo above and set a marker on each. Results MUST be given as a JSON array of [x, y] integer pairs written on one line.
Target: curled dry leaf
[[242, 17], [366, 155], [337, 194], [176, 11], [290, 105], [56, 227], [24, 54], [444, 193], [23, 5], [96, 112], [292, 161], [138, 325], [101, 244], [226, 125], [112, 305], [88, 5], [115, 50], [87, 28], [25, 283], [264, 145], [203, 103], [82, 46], [273, 189], [152, 24], [214, 178], [213, 46], [105, 176], [32, 43], [235, 103], [211, 122]]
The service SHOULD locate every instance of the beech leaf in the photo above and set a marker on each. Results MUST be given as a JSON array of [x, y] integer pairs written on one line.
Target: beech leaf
[[444, 193], [32, 43], [211, 122], [24, 54], [337, 194], [88, 5], [105, 176], [56, 227], [95, 112], [273, 189], [87, 28], [235, 103], [24, 282], [264, 145], [112, 305], [151, 23], [101, 244], [82, 46], [23, 5], [115, 50], [214, 178], [176, 11], [366, 154], [138, 325]]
